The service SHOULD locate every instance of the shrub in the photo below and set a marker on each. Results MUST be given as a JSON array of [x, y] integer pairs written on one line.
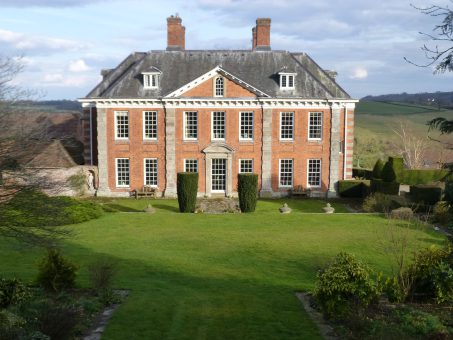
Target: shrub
[[388, 188], [362, 173], [388, 173], [344, 286], [353, 188], [11, 326], [397, 164], [427, 194], [432, 275], [442, 212], [448, 192], [377, 169], [12, 291], [421, 324], [247, 191], [57, 321], [187, 186], [56, 273], [101, 274], [377, 202], [402, 213]]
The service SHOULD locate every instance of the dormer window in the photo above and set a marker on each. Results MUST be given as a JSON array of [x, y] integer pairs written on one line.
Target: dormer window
[[151, 78], [287, 81], [219, 87]]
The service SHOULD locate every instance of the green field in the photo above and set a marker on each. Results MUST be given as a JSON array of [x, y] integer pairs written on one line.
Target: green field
[[232, 276], [375, 122]]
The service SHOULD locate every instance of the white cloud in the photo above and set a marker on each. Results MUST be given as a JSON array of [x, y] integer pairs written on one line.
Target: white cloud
[[28, 42], [78, 65], [359, 73]]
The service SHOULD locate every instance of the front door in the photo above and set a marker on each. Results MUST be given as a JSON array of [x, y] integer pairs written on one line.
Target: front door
[[218, 175]]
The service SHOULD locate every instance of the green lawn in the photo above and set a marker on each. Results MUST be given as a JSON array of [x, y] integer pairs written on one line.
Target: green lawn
[[229, 276]]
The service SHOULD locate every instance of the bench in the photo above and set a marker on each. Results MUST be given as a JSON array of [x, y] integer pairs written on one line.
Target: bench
[[300, 191], [145, 191]]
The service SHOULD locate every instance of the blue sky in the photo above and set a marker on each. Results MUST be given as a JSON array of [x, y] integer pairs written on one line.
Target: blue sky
[[65, 43]]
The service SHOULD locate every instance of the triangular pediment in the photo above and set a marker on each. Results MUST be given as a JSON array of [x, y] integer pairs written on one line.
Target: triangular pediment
[[203, 86], [218, 148]]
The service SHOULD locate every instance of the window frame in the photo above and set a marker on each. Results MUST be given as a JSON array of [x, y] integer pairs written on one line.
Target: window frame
[[252, 126], [151, 80], [185, 115], [190, 159], [280, 173], [212, 126], [117, 114], [145, 172], [222, 87], [308, 173], [144, 125], [240, 166], [321, 126], [285, 139], [285, 81], [117, 181]]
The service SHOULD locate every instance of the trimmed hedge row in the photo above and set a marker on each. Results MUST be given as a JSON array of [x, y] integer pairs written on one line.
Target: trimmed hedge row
[[388, 188], [419, 176], [187, 187], [354, 188], [247, 191], [426, 194]]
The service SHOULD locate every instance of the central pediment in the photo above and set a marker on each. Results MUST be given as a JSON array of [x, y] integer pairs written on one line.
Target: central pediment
[[218, 148]]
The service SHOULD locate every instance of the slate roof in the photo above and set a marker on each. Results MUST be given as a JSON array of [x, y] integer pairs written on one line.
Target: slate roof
[[259, 69]]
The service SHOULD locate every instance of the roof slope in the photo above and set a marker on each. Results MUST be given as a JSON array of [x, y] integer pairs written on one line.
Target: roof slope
[[259, 69]]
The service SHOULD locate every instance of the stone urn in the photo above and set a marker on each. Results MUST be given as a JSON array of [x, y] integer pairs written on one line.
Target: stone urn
[[149, 209], [328, 209], [285, 209]]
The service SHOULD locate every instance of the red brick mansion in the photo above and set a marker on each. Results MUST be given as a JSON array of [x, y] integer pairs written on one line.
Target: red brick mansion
[[219, 113]]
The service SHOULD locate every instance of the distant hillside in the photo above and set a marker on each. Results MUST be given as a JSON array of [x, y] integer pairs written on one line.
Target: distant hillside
[[51, 106], [435, 100]]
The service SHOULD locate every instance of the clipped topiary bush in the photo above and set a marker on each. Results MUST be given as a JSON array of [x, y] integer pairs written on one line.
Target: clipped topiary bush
[[247, 191], [56, 273], [388, 173], [423, 176], [426, 194], [345, 286], [353, 188], [377, 169], [187, 187], [397, 164]]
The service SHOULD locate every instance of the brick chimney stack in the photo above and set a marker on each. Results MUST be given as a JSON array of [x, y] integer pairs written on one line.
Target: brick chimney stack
[[176, 34], [262, 35]]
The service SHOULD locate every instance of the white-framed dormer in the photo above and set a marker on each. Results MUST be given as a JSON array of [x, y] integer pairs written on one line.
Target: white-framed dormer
[[151, 78], [287, 80]]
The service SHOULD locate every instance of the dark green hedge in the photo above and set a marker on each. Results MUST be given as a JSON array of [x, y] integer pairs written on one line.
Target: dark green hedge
[[354, 188], [397, 164], [388, 173], [388, 188], [247, 191], [427, 194], [414, 177], [377, 169], [362, 173], [187, 187]]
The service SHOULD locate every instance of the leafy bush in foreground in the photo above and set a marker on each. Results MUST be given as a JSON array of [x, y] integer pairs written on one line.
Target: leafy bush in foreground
[[56, 273], [12, 291], [345, 286]]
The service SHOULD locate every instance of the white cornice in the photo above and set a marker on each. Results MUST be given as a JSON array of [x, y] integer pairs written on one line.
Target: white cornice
[[286, 103]]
